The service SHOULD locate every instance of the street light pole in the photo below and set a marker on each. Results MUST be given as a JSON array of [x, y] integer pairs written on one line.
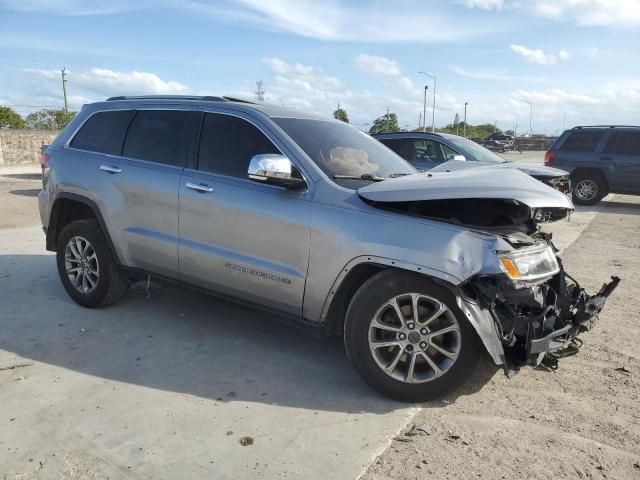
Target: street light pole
[[530, 117], [464, 128], [424, 110], [433, 111]]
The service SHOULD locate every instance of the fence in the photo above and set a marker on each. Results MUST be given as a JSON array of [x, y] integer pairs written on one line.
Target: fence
[[22, 146]]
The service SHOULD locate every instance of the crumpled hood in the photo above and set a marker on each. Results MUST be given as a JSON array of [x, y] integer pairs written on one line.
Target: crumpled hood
[[486, 182], [528, 168]]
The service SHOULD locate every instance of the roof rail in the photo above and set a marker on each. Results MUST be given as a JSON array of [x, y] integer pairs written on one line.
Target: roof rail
[[166, 97], [204, 98], [579, 127]]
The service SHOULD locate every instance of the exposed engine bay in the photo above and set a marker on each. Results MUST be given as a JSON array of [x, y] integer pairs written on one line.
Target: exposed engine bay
[[537, 313]]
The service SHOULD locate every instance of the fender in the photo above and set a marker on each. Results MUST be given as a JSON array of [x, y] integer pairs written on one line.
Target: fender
[[480, 319], [52, 230]]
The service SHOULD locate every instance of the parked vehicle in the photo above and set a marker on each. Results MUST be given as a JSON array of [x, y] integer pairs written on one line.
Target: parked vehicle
[[601, 159], [306, 216], [440, 152]]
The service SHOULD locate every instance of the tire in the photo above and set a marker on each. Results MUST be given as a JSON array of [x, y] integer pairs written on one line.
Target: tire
[[102, 282], [588, 188], [361, 334]]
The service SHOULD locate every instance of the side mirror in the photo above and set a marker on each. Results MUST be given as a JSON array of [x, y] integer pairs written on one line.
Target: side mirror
[[275, 169], [460, 158]]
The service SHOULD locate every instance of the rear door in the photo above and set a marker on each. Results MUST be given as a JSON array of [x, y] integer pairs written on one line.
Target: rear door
[[622, 152], [238, 237], [135, 181]]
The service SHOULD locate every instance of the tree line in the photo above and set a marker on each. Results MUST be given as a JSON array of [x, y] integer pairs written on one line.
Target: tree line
[[46, 119], [388, 123]]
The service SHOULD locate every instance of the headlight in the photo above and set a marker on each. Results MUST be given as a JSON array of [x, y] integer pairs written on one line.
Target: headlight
[[529, 263]]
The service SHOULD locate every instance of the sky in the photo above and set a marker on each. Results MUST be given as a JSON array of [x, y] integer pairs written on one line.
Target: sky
[[575, 61]]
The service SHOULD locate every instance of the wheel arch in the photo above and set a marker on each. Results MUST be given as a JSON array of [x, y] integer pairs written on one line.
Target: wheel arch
[[593, 171], [69, 207], [351, 278]]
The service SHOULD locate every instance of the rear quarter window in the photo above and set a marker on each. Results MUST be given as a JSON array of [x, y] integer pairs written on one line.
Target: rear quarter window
[[581, 141], [103, 132], [624, 143]]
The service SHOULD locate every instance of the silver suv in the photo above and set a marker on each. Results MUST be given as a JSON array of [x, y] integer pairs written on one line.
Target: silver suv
[[308, 217]]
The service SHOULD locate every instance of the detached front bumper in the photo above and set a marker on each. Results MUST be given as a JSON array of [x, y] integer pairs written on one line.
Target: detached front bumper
[[534, 320], [583, 316]]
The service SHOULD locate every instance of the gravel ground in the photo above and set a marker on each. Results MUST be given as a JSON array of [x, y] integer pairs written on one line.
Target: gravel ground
[[581, 421]]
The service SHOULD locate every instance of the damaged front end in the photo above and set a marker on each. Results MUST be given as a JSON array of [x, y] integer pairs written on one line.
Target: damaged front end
[[538, 317], [521, 302]]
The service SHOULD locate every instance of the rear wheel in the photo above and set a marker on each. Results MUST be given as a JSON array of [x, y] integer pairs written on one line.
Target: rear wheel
[[408, 339], [588, 188], [86, 265]]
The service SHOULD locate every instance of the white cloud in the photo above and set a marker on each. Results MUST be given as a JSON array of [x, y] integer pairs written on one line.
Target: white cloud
[[587, 12], [564, 55], [338, 20], [483, 4], [105, 82], [534, 55], [377, 65]]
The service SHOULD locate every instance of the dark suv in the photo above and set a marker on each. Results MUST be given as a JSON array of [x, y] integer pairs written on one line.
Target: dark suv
[[601, 160]]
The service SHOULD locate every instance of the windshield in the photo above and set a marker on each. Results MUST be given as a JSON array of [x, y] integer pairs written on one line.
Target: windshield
[[479, 153], [341, 149]]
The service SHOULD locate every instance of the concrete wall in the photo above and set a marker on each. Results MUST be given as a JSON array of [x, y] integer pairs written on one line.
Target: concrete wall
[[22, 146]]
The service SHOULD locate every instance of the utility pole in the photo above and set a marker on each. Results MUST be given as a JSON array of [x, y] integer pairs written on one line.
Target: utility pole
[[64, 89], [464, 127], [424, 110], [387, 125], [259, 91], [419, 120], [433, 111]]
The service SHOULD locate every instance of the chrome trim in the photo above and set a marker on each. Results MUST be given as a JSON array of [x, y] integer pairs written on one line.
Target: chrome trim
[[199, 187], [110, 169]]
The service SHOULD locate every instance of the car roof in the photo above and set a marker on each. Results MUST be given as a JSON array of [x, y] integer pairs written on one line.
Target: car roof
[[273, 111], [389, 135]]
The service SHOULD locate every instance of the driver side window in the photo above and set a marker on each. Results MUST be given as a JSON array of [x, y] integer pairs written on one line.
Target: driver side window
[[448, 152]]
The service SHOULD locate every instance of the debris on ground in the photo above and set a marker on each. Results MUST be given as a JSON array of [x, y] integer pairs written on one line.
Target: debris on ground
[[246, 441], [622, 369], [14, 367]]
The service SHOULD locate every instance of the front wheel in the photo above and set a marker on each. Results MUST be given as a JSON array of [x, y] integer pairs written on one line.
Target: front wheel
[[408, 339]]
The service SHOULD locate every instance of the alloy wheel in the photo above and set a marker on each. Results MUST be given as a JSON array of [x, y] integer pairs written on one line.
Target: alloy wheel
[[414, 338], [81, 264], [586, 189]]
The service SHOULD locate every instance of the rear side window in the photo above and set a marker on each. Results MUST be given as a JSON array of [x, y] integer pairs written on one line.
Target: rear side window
[[624, 143], [227, 144], [103, 132], [581, 141], [156, 135]]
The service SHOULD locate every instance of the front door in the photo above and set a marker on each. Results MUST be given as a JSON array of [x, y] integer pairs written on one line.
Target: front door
[[237, 237]]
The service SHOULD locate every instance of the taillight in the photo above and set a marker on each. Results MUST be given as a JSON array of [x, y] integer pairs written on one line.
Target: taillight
[[44, 162], [549, 157]]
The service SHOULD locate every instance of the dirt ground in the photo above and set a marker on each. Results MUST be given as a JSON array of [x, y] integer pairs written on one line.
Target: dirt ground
[[580, 421], [19, 187]]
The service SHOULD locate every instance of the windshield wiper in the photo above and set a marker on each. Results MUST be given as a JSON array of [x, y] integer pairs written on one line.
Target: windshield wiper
[[396, 175], [364, 176]]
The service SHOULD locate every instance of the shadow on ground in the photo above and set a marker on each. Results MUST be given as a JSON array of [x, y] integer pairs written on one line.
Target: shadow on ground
[[23, 176], [29, 192], [182, 341]]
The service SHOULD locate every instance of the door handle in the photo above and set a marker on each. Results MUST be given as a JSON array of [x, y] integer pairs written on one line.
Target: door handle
[[199, 187], [108, 169]]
